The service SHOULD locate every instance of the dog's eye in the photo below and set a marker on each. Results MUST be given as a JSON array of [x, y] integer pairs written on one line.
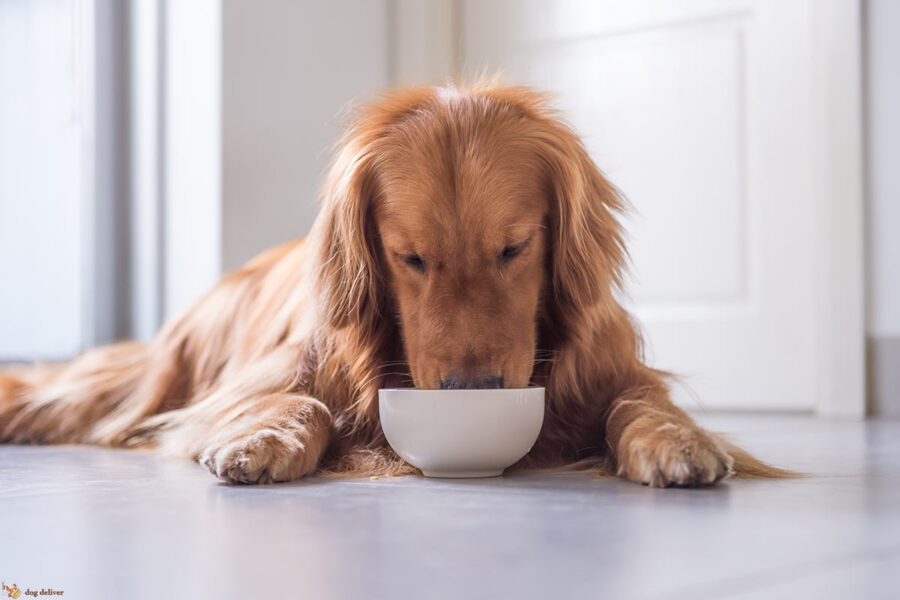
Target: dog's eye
[[510, 252], [415, 261]]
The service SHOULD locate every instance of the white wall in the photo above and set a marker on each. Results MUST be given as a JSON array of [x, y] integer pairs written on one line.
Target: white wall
[[192, 151], [883, 154], [288, 68]]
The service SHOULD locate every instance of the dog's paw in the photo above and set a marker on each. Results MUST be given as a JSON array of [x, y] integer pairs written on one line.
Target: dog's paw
[[668, 454], [266, 456]]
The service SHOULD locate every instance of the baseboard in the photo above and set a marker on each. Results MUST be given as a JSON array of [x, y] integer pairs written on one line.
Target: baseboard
[[883, 377]]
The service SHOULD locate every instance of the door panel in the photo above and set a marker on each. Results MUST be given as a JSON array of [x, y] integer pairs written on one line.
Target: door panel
[[701, 113]]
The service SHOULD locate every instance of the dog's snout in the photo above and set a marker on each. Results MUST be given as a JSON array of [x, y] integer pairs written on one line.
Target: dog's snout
[[469, 383]]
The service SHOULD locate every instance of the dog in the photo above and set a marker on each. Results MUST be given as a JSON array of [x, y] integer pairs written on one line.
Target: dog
[[466, 240]]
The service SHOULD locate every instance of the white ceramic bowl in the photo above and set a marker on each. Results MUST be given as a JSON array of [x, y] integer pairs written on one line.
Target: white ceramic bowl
[[461, 433]]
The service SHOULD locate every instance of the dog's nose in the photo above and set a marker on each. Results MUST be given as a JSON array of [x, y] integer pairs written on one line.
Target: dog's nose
[[491, 382]]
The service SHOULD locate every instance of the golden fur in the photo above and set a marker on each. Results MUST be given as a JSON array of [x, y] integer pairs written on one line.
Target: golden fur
[[465, 236]]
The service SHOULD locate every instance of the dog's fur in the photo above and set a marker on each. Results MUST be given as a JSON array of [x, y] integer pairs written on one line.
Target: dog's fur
[[465, 236]]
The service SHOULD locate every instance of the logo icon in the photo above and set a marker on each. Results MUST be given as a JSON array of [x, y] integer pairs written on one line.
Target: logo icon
[[12, 592]]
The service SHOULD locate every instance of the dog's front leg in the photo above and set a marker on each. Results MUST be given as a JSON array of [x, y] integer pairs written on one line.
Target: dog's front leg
[[655, 443], [261, 437], [279, 437]]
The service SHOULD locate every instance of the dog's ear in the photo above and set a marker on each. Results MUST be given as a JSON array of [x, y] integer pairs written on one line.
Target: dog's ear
[[349, 275], [587, 250]]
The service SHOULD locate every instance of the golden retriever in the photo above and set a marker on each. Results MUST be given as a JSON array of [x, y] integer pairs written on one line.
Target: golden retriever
[[466, 240]]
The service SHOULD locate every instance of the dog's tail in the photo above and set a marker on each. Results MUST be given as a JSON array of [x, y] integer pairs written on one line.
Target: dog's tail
[[747, 466], [68, 403]]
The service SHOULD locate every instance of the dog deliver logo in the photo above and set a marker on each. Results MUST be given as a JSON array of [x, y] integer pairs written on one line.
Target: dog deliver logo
[[15, 592], [12, 592]]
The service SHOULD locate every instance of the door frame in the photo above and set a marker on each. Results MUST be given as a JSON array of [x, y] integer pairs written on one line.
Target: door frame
[[428, 51], [841, 312]]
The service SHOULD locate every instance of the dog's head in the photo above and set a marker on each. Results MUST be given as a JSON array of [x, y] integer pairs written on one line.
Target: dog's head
[[474, 219]]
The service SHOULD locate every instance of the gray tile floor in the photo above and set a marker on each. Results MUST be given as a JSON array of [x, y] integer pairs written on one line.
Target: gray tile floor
[[116, 524]]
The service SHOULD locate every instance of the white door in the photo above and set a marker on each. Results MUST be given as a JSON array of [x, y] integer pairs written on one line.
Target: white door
[[61, 178], [41, 181], [702, 112]]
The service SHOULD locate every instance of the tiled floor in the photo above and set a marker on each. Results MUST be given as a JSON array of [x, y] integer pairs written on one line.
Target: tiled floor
[[114, 524]]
